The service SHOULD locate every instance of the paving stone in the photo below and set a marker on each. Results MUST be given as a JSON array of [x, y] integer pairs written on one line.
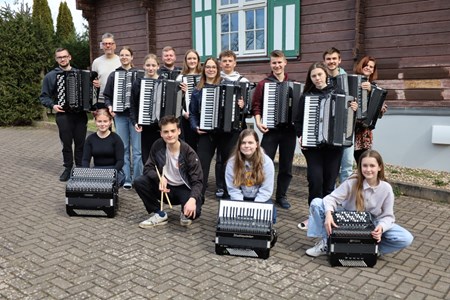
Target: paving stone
[[45, 254]]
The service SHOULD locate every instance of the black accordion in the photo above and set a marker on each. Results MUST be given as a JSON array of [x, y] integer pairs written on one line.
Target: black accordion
[[191, 81], [280, 102], [92, 192], [158, 98], [360, 94], [328, 121], [123, 81], [376, 101], [75, 91], [351, 244], [245, 229], [219, 109]]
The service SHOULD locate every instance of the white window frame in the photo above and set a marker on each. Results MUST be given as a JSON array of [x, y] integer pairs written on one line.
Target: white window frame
[[241, 7]]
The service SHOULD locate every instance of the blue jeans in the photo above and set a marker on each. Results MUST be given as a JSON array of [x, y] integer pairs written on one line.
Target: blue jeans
[[346, 163], [130, 137], [394, 239]]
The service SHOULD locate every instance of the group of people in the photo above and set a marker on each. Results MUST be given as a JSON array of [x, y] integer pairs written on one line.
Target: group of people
[[171, 159]]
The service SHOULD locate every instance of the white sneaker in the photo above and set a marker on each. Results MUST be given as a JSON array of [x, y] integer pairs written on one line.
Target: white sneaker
[[184, 221], [318, 250], [154, 220]]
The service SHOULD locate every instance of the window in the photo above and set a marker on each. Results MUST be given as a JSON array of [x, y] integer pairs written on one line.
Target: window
[[242, 26], [247, 27]]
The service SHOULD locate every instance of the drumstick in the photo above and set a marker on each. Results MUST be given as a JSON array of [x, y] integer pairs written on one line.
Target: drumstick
[[167, 196]]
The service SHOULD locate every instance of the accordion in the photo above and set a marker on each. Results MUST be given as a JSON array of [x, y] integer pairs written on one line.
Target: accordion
[[191, 81], [376, 101], [123, 81], [219, 109], [245, 229], [92, 192], [280, 102], [351, 244], [247, 89], [360, 94], [75, 91], [158, 98], [328, 121]]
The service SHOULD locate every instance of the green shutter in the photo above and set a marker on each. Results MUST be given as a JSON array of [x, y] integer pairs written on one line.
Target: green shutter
[[284, 33], [204, 37]]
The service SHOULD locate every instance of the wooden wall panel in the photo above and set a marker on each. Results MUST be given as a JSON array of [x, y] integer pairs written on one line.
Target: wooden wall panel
[[409, 38]]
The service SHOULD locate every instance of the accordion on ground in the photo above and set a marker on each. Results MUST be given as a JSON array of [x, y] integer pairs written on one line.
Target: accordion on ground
[[75, 91], [351, 244], [191, 82], [219, 109], [245, 229], [280, 102], [92, 192], [123, 81], [328, 121], [158, 98]]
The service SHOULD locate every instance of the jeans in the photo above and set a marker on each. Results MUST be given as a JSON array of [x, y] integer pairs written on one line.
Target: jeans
[[346, 164], [394, 239], [72, 128], [130, 137], [285, 140]]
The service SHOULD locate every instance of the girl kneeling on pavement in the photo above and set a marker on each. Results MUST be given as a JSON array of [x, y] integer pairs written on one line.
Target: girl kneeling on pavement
[[366, 191]]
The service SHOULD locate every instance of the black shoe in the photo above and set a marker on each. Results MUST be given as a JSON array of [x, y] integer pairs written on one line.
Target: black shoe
[[65, 175], [219, 193], [283, 202]]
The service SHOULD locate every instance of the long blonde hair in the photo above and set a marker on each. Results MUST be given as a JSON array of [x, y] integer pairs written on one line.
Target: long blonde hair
[[358, 188], [256, 161]]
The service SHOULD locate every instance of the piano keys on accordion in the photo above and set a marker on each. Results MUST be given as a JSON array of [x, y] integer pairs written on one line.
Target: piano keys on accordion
[[245, 229], [158, 98], [328, 121], [75, 91], [93, 192], [351, 244], [280, 102], [219, 109], [191, 82], [123, 81]]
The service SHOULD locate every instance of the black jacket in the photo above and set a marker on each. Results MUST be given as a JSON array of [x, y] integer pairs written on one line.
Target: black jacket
[[188, 164]]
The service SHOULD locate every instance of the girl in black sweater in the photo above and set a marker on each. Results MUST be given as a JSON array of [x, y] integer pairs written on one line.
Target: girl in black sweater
[[323, 162], [104, 146]]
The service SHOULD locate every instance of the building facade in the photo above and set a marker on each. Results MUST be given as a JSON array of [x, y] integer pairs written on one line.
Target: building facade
[[410, 40]]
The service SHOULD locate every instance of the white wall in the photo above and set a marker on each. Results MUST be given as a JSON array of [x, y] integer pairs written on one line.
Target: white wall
[[404, 138]]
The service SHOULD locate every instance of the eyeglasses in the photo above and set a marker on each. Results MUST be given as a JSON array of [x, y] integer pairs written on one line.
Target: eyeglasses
[[62, 57], [210, 67], [108, 44]]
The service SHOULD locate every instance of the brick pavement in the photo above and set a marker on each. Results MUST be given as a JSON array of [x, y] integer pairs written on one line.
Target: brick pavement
[[44, 254]]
